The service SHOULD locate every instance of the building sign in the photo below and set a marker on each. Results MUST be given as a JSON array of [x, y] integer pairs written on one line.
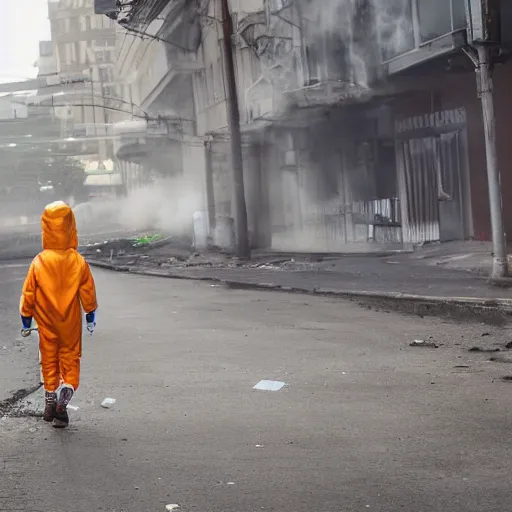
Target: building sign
[[435, 120]]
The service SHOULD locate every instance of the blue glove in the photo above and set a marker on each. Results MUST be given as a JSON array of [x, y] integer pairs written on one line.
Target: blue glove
[[26, 322], [91, 321]]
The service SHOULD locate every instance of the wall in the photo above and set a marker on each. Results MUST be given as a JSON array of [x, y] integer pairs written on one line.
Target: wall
[[503, 86]]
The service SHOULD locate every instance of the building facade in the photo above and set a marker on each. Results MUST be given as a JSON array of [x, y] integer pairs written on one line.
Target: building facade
[[362, 123]]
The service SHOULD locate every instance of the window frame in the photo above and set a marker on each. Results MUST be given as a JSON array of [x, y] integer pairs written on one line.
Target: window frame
[[416, 30]]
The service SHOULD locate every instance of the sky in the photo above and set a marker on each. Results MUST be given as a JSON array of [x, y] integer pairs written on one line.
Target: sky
[[23, 24]]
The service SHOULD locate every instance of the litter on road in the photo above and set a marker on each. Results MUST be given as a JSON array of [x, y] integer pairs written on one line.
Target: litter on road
[[269, 385], [172, 506], [108, 403], [423, 343]]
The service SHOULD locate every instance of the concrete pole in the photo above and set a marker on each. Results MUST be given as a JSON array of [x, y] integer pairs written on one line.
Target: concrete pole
[[500, 264], [242, 232]]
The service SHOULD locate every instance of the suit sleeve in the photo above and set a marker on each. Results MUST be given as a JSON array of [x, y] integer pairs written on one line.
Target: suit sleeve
[[28, 293], [87, 290]]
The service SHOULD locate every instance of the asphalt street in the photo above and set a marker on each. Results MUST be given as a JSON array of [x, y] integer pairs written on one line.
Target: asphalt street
[[365, 422]]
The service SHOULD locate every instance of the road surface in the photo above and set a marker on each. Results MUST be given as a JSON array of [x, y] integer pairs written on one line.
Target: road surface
[[18, 356], [365, 422]]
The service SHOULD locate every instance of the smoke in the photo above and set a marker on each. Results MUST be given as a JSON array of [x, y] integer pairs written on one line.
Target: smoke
[[166, 205], [368, 31]]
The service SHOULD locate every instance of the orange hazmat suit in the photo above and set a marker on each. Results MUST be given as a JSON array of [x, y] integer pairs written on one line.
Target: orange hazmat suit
[[59, 281]]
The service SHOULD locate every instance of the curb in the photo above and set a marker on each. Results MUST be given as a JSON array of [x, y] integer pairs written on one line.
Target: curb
[[480, 309]]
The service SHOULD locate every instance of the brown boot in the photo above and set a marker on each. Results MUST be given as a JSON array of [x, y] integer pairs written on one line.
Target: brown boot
[[61, 418], [50, 406]]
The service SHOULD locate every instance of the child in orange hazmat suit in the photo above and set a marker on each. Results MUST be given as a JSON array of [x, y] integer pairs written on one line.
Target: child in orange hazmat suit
[[58, 284]]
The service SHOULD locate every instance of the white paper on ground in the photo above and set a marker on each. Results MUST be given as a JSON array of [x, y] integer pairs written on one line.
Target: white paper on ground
[[108, 402], [269, 385]]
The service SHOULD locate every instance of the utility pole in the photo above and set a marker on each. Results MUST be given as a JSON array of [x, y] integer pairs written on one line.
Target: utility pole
[[484, 35], [499, 262], [242, 232]]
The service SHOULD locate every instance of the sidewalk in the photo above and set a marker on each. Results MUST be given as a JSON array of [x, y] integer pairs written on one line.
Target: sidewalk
[[413, 277]]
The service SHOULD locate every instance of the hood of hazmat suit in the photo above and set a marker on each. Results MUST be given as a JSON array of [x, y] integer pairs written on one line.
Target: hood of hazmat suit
[[59, 227]]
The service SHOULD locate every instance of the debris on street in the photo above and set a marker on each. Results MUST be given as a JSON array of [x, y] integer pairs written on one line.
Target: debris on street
[[269, 385], [424, 343], [108, 403]]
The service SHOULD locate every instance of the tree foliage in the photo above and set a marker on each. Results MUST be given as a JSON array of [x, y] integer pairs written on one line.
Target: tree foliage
[[65, 174], [62, 177]]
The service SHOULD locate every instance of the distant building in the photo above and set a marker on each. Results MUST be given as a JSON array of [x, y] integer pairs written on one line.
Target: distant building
[[83, 42], [46, 63], [12, 109]]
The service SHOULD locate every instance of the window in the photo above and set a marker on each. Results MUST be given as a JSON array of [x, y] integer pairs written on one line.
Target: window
[[396, 29], [83, 51], [104, 75], [434, 19], [88, 23], [407, 24], [74, 24], [459, 14], [315, 62], [68, 53]]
